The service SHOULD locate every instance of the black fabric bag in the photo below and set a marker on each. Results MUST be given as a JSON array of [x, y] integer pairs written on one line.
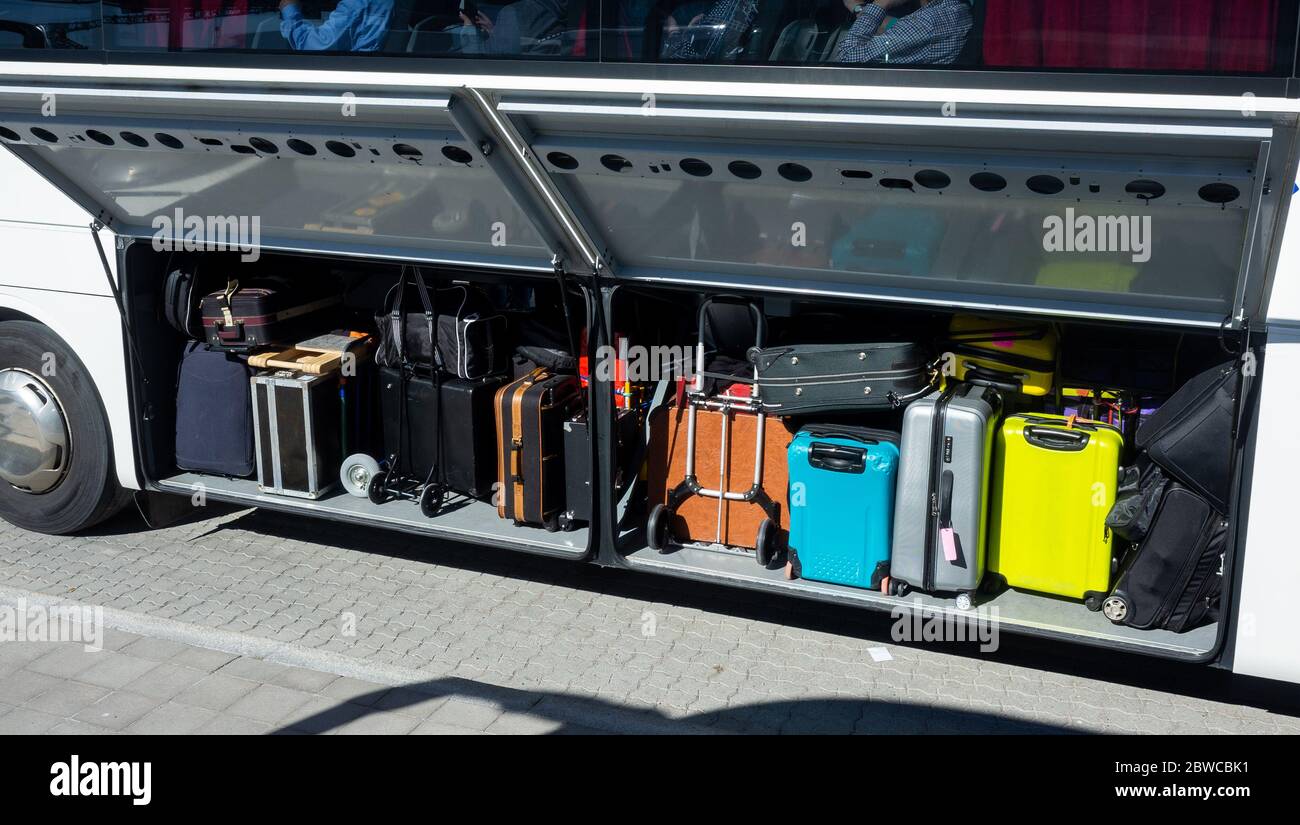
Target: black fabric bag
[[469, 334], [826, 378], [418, 410], [1136, 502], [184, 289], [214, 413], [1192, 436], [1174, 578], [542, 340]]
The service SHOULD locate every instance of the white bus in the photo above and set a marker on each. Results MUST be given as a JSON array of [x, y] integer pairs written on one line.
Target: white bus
[[625, 159]]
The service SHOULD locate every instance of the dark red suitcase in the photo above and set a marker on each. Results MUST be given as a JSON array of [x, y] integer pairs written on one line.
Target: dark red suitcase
[[267, 312]]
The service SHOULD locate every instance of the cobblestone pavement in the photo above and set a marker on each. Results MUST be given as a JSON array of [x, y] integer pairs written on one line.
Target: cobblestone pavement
[[314, 626]]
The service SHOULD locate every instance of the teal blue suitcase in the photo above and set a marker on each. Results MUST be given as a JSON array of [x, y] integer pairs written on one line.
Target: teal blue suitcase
[[842, 504]]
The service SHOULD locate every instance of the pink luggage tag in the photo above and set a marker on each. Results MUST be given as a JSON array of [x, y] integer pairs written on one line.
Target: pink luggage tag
[[949, 538]]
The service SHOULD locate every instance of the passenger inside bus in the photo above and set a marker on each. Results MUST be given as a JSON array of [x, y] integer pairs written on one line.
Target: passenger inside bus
[[535, 27], [354, 25], [931, 32]]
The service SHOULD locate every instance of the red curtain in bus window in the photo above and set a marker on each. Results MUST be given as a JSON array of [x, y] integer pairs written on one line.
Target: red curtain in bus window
[[1152, 35]]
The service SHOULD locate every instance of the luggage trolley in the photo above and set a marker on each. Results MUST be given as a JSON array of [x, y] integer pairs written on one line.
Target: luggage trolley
[[737, 317]]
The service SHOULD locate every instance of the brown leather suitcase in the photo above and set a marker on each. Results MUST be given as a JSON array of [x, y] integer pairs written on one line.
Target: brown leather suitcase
[[697, 518], [530, 416]]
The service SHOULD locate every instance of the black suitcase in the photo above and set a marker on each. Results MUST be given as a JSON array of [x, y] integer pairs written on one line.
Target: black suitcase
[[214, 413], [411, 415], [298, 421], [828, 378], [530, 416], [1173, 578], [578, 462], [1191, 436], [268, 312]]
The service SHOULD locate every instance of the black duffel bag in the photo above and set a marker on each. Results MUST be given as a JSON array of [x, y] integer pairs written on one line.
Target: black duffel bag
[[470, 335], [825, 378], [1192, 435]]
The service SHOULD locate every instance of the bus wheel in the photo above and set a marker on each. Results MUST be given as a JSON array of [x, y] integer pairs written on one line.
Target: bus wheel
[[56, 462]]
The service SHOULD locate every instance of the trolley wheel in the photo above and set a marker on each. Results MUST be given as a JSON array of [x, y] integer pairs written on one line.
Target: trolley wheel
[[1115, 608], [378, 490], [1093, 601], [431, 499], [355, 474], [765, 548], [566, 522], [964, 601], [993, 584], [656, 527]]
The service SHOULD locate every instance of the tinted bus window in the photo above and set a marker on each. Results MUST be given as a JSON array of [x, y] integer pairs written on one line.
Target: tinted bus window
[[46, 24], [1202, 36], [555, 29]]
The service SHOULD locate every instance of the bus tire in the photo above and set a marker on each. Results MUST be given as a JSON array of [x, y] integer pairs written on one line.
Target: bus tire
[[76, 480]]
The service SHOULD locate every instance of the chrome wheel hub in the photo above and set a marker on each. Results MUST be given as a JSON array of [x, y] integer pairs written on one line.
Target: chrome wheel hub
[[34, 442]]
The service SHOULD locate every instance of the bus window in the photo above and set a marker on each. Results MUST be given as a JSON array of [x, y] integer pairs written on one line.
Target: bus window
[[1112, 35], [49, 24], [556, 29]]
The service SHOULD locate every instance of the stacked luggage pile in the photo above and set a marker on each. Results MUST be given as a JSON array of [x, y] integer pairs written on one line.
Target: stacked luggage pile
[[439, 395], [995, 473]]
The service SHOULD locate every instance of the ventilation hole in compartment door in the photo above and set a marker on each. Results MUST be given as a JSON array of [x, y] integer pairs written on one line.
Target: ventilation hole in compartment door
[[133, 139], [896, 183], [241, 149], [170, 141], [45, 135], [1220, 193], [456, 154], [695, 167], [99, 137], [988, 181], [933, 179], [856, 174], [340, 148], [794, 172], [302, 147], [210, 141], [1045, 184], [562, 160], [263, 145], [9, 134], [616, 163], [406, 151], [1145, 190], [744, 170]]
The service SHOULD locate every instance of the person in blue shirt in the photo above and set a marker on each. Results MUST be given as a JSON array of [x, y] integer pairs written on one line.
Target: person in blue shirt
[[353, 26]]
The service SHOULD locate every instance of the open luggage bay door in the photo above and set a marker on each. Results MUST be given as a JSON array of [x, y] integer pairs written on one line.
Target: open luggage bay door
[[320, 168], [973, 205]]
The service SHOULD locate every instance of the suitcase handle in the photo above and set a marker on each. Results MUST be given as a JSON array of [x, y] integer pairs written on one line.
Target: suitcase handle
[[1050, 438], [837, 458], [985, 377]]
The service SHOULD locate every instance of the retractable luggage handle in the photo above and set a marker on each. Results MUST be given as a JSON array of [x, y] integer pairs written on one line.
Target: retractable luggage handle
[[760, 338]]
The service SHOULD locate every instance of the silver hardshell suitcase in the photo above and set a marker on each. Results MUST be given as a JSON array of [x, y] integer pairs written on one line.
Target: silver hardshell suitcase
[[941, 506]]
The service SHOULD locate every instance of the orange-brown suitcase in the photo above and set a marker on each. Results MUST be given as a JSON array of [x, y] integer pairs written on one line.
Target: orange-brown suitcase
[[699, 519]]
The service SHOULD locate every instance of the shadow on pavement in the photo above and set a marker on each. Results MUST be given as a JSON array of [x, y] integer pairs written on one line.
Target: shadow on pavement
[[588, 715]]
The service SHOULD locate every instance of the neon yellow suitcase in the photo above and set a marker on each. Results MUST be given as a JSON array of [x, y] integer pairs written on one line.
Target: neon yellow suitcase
[[1096, 276], [1018, 352], [1054, 481]]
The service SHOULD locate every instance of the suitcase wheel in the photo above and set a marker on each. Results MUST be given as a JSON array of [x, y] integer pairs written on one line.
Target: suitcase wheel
[[431, 499], [551, 523], [356, 473], [964, 601], [656, 528], [765, 548], [1115, 608], [1094, 600], [900, 588], [378, 490]]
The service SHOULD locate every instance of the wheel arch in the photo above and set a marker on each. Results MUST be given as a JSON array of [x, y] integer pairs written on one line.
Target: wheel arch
[[100, 348]]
